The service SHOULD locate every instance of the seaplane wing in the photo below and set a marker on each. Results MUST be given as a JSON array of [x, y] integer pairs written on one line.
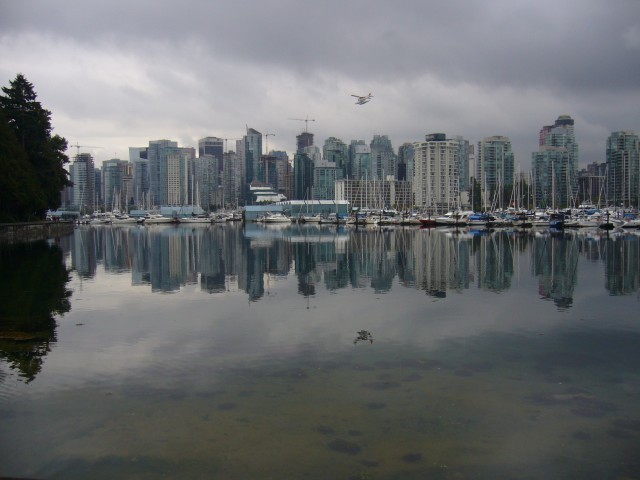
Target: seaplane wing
[[362, 99]]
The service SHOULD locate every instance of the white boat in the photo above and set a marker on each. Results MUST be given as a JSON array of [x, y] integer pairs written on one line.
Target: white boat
[[276, 217], [206, 220], [454, 219], [334, 219], [156, 218], [123, 219], [310, 218]]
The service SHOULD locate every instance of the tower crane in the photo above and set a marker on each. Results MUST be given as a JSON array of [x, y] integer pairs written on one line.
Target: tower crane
[[306, 122], [78, 147], [266, 139]]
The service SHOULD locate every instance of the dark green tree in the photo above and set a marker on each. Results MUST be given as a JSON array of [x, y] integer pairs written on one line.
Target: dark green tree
[[31, 125], [20, 195]]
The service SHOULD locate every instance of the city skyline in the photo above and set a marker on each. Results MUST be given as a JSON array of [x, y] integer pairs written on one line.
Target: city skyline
[[118, 75]]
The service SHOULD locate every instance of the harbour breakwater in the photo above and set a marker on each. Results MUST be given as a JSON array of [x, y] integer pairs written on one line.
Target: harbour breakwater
[[33, 231]]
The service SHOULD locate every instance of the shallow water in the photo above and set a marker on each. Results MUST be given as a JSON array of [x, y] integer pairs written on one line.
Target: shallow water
[[238, 352]]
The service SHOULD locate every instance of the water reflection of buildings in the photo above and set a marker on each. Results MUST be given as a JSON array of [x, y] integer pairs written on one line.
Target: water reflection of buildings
[[622, 264], [252, 258], [555, 261]]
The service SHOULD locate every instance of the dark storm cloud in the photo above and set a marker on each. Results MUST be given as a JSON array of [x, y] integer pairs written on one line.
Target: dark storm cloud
[[201, 67], [580, 44]]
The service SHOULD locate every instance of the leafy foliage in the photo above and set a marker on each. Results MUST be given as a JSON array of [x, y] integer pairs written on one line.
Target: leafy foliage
[[31, 159]]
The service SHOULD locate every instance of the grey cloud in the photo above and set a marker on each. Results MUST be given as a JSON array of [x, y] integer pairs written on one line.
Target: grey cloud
[[463, 67]]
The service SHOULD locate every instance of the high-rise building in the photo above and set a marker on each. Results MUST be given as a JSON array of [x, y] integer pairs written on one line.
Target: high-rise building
[[117, 184], [383, 158], [555, 165], [591, 183], [140, 170], [305, 139], [303, 176], [466, 151], [231, 185], [336, 151], [623, 169], [252, 151], [325, 174], [405, 162], [495, 169], [169, 172], [436, 178], [213, 146], [360, 160], [207, 181], [82, 175]]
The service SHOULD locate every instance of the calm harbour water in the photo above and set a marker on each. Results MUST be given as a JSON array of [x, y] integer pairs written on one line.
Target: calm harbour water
[[308, 352]]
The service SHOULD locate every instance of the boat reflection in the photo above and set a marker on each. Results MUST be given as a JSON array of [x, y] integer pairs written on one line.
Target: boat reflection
[[437, 261]]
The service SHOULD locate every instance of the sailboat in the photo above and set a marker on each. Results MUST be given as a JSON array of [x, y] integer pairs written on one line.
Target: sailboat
[[196, 219]]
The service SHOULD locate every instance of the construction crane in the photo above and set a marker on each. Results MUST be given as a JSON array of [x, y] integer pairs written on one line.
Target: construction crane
[[306, 122], [266, 139], [78, 147]]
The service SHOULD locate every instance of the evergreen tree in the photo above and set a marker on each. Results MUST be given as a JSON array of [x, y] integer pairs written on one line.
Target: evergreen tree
[[31, 125], [20, 196]]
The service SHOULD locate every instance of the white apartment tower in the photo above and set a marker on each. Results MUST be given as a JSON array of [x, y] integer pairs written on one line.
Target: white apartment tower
[[436, 177]]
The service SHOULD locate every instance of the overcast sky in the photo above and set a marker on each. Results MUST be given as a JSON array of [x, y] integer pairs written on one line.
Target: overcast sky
[[118, 74]]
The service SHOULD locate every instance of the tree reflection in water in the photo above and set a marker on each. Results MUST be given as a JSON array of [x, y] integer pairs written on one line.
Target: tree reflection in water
[[33, 282]]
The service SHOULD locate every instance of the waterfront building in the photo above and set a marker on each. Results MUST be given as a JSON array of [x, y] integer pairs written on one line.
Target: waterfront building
[[213, 146], [592, 183], [336, 151], [231, 184], [325, 174], [555, 165], [304, 140], [360, 160], [303, 176], [252, 151], [495, 170], [463, 162], [374, 194], [623, 165], [81, 173], [97, 188], [140, 171], [207, 191], [436, 176], [549, 168], [383, 158], [405, 164], [169, 172], [117, 184]]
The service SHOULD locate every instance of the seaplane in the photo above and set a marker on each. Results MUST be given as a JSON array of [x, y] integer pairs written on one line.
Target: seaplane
[[362, 99]]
